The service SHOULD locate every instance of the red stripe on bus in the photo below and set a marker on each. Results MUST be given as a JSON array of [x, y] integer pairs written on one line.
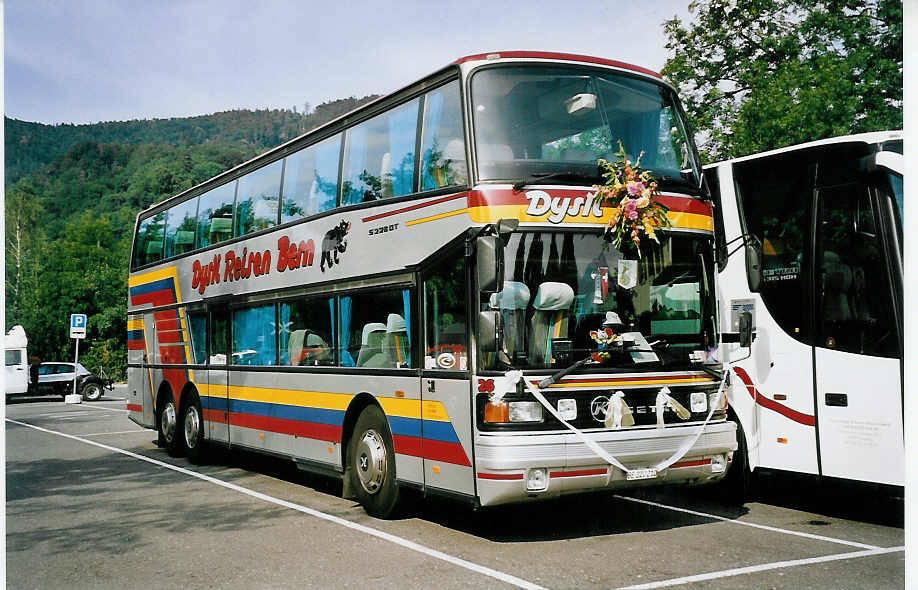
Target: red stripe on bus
[[506, 196], [136, 345], [560, 56], [765, 402], [215, 416], [169, 324], [432, 450], [313, 430], [500, 476], [696, 463], [414, 207], [578, 473], [134, 408]]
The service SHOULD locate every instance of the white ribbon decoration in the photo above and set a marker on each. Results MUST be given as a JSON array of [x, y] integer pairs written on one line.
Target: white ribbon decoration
[[504, 385], [684, 448]]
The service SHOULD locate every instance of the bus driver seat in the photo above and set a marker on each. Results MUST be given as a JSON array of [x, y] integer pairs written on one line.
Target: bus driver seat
[[512, 301], [397, 341], [552, 305], [371, 345]]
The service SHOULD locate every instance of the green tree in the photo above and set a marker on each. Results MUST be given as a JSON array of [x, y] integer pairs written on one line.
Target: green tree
[[763, 74]]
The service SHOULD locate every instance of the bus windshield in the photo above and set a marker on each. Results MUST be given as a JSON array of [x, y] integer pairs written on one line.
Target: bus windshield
[[561, 286], [553, 123]]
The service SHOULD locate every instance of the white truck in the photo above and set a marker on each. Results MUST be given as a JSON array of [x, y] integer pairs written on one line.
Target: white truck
[[17, 362]]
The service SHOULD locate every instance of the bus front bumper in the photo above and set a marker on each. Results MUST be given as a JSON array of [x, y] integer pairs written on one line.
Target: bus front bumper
[[519, 467]]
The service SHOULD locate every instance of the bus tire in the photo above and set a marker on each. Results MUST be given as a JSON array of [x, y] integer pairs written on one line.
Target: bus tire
[[193, 429], [91, 392], [372, 464], [167, 426], [737, 487]]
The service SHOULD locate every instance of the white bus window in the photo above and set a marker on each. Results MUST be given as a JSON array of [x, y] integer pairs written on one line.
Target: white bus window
[[307, 332], [311, 180], [854, 312], [180, 228], [215, 215], [197, 325], [254, 336], [149, 246], [379, 158], [446, 346], [377, 329], [257, 199], [442, 145]]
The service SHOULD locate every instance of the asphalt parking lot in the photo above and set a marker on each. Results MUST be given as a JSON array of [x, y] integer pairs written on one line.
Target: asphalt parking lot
[[92, 502]]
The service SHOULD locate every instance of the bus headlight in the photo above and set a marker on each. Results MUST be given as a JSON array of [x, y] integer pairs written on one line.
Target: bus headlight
[[525, 412], [699, 401]]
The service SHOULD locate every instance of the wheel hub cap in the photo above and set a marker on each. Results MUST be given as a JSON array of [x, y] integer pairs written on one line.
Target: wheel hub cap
[[371, 461], [167, 422], [192, 427]]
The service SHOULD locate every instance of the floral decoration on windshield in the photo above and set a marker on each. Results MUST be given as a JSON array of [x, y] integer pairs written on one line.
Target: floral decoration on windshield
[[632, 194]]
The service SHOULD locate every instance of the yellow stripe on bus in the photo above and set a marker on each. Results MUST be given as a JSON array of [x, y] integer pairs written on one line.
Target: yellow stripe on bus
[[679, 220], [404, 408], [155, 275], [436, 217], [133, 325]]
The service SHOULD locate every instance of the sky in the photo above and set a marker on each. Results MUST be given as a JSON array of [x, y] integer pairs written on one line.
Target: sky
[[84, 61]]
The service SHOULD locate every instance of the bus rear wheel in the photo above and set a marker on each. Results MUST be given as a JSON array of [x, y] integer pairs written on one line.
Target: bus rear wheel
[[372, 464]]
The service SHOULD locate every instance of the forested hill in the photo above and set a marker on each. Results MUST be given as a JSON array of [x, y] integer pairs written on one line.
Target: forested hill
[[30, 146], [73, 192]]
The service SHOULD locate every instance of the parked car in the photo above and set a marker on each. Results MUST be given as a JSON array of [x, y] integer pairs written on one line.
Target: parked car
[[57, 378]]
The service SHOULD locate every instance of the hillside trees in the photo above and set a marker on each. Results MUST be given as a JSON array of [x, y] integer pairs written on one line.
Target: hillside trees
[[762, 74]]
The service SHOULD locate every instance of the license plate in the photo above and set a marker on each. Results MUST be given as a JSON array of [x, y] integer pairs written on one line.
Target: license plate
[[634, 474]]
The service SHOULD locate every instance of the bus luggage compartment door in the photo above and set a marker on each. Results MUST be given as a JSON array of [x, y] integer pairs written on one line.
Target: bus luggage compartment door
[[447, 434]]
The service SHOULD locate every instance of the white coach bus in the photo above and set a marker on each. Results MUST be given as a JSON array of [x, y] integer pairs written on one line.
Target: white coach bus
[[822, 391], [363, 299]]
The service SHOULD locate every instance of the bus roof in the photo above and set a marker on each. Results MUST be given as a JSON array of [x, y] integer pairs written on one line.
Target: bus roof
[[556, 56], [870, 138], [266, 156]]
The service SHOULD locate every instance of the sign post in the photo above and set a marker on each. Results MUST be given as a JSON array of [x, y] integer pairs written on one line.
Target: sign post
[[77, 332]]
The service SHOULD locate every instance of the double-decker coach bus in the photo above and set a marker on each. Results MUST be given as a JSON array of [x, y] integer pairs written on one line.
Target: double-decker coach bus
[[822, 391], [360, 298]]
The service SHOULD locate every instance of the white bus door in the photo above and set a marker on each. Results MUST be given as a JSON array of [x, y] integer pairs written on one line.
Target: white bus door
[[856, 358]]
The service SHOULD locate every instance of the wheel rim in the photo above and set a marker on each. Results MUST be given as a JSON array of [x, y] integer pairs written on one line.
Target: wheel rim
[[370, 461], [192, 427], [93, 391], [167, 422]]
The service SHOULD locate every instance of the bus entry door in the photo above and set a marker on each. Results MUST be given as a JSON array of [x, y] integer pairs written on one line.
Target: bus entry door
[[215, 404], [858, 387]]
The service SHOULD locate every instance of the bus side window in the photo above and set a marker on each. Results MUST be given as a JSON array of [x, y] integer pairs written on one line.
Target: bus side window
[[311, 180], [854, 312], [442, 145], [365, 314], [149, 246], [306, 332], [379, 160], [257, 199], [215, 215], [180, 228], [197, 325], [254, 338], [446, 344]]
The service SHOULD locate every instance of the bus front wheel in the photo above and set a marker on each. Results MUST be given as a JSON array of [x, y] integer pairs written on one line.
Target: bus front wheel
[[372, 464], [193, 429]]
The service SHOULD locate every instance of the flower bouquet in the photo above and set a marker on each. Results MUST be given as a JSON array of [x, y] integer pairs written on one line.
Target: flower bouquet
[[632, 194]]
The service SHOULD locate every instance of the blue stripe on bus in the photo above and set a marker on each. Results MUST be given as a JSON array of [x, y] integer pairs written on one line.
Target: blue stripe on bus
[[135, 335], [161, 285]]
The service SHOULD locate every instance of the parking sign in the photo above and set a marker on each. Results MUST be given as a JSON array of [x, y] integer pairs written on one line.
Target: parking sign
[[78, 325]]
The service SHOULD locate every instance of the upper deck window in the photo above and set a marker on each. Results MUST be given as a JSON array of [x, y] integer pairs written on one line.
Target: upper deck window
[[180, 228], [215, 215], [532, 122], [311, 180], [442, 144], [148, 247], [379, 159], [257, 199]]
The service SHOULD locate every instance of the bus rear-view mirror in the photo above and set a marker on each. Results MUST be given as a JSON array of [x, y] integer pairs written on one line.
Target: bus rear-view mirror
[[488, 331], [489, 257], [754, 264], [745, 329]]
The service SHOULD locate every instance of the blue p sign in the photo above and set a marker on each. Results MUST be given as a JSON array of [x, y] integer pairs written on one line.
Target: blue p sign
[[78, 325]]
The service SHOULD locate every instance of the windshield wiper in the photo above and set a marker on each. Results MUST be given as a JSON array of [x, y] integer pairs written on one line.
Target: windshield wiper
[[567, 175], [554, 378]]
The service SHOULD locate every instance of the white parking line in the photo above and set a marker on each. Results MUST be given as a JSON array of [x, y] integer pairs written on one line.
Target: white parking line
[[118, 432], [750, 524], [752, 569], [480, 569], [97, 407]]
